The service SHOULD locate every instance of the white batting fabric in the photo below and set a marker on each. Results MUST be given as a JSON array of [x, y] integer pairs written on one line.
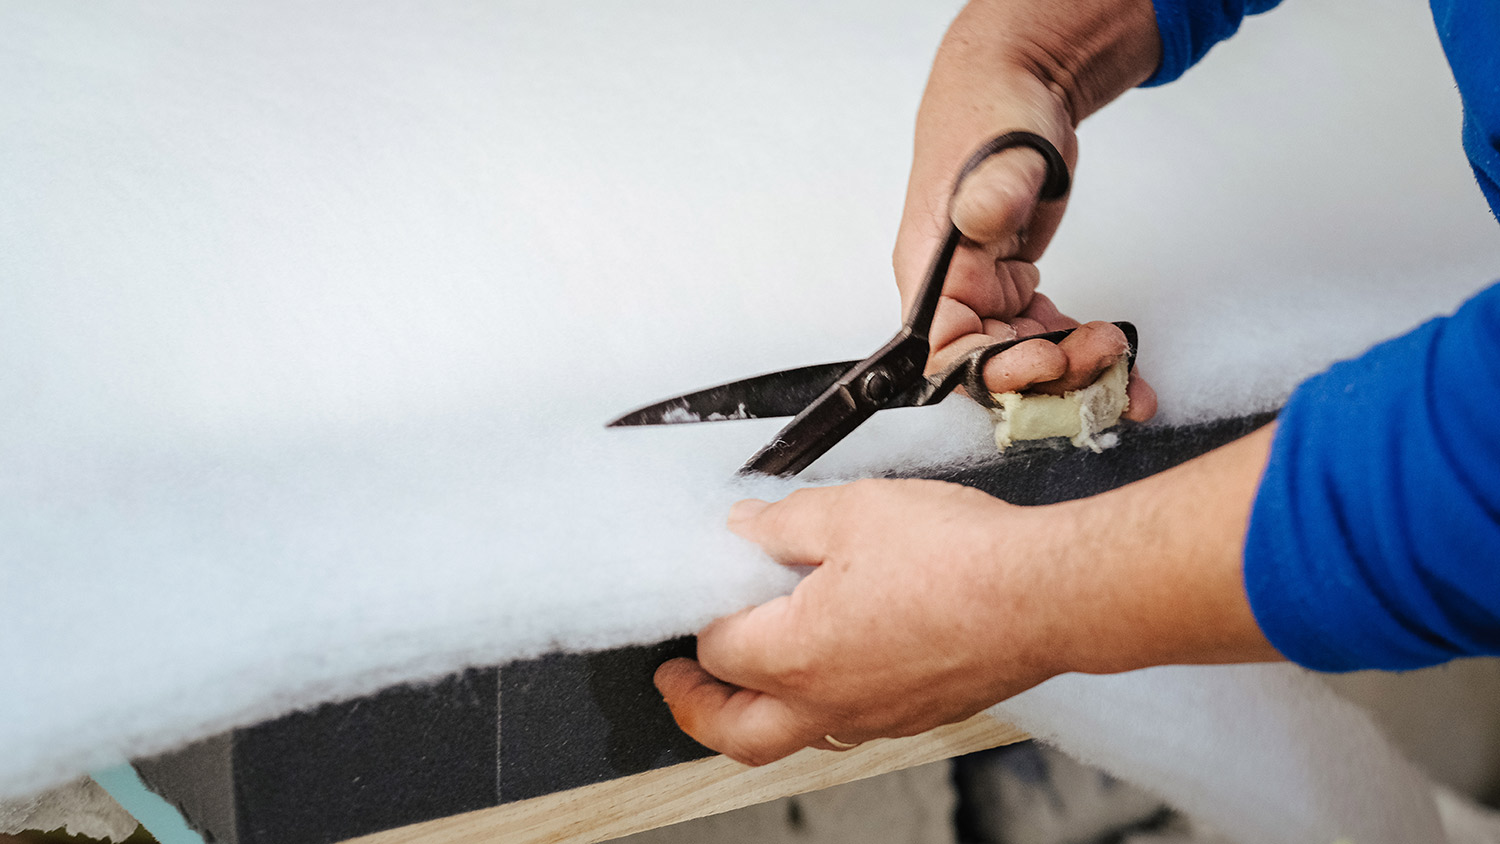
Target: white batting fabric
[[1265, 753], [310, 317]]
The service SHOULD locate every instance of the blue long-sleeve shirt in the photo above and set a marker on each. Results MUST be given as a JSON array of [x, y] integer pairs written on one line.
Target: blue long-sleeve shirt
[[1375, 537]]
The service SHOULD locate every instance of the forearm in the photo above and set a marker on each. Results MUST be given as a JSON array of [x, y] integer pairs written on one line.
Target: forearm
[[1375, 534], [1153, 571]]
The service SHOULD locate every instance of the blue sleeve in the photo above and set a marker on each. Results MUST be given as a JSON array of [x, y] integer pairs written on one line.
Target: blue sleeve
[[1190, 27], [1470, 32], [1375, 537]]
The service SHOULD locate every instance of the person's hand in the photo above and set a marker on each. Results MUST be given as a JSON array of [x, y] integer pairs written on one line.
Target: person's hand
[[1003, 66], [932, 601], [917, 589]]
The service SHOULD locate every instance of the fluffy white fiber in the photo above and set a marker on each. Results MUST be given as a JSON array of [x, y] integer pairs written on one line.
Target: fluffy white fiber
[[1266, 753], [310, 317]]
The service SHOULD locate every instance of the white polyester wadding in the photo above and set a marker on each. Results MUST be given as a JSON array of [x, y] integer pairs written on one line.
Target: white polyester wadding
[[310, 316], [1265, 753]]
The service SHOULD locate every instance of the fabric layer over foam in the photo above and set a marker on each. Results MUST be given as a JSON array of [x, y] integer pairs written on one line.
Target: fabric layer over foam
[[309, 317]]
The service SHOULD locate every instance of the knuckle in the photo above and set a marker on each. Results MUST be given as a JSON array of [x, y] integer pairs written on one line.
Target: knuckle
[[954, 318], [804, 497], [999, 329], [1021, 278], [796, 677], [1025, 327], [797, 666], [851, 717]]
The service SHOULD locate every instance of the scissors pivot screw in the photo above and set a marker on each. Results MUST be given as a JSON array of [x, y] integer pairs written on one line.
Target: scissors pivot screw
[[878, 386]]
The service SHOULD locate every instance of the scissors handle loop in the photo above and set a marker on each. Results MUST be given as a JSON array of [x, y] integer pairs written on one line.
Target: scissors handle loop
[[969, 370], [892, 372], [1055, 186], [1058, 181]]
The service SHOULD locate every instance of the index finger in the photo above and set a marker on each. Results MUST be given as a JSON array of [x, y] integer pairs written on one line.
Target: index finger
[[793, 531]]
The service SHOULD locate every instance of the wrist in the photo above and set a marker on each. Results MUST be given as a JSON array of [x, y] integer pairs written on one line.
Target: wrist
[[1086, 53], [1159, 567]]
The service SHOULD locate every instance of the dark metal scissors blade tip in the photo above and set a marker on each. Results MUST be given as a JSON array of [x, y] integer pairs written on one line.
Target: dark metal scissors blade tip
[[783, 393], [676, 412]]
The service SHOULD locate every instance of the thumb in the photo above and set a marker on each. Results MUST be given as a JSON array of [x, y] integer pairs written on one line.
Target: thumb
[[748, 726], [997, 206], [970, 99], [995, 202]]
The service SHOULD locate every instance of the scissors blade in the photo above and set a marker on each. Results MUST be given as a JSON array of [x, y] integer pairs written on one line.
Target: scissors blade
[[783, 393], [815, 430], [891, 374]]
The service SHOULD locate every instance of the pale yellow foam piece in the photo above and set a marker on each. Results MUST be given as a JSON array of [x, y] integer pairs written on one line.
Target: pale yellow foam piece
[[1079, 415]]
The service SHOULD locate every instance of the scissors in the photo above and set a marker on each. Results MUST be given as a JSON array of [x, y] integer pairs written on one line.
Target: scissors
[[828, 401]]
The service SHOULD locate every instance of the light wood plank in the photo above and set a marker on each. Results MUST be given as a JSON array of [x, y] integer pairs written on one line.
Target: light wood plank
[[645, 801]]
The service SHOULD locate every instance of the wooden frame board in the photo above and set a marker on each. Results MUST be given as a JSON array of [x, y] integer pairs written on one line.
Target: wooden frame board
[[666, 796]]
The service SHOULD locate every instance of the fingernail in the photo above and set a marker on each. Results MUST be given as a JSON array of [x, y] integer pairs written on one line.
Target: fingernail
[[743, 511]]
